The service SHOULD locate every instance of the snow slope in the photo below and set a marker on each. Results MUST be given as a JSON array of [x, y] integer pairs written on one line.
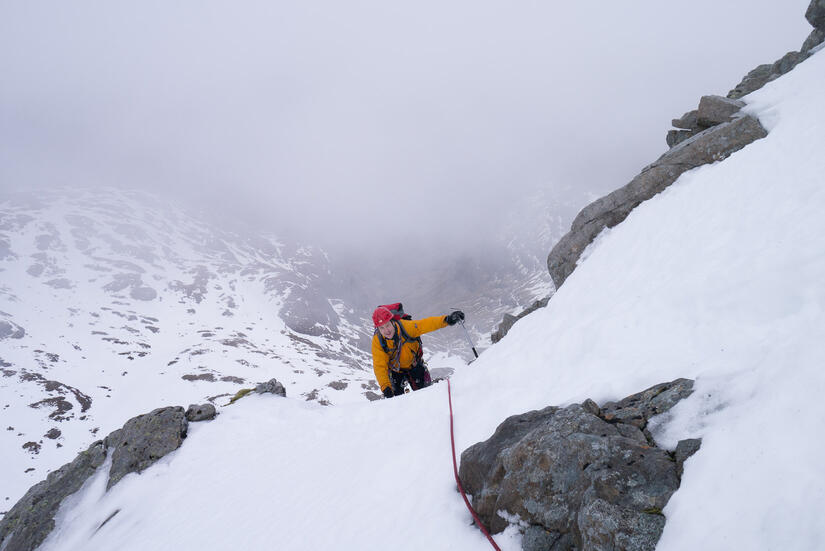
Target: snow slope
[[720, 278]]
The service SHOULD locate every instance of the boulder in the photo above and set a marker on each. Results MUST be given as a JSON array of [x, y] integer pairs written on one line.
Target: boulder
[[145, 439], [815, 14], [203, 412], [31, 519], [715, 110], [272, 386], [577, 479], [711, 145]]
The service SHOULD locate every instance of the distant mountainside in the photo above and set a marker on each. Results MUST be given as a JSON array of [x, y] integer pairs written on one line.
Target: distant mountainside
[[115, 302], [112, 302]]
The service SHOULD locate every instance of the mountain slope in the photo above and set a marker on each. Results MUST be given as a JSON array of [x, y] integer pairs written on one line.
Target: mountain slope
[[719, 279]]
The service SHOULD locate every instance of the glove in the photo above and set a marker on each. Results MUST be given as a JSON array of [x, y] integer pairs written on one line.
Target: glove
[[388, 392], [454, 318]]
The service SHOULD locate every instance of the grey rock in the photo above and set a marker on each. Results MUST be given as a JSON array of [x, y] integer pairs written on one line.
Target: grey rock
[[787, 63], [607, 527], [591, 407], [715, 110], [685, 449], [711, 145], [510, 320], [536, 538], [637, 409], [764, 74], [145, 439], [31, 520], [579, 480], [754, 80], [143, 293], [675, 137], [689, 121], [203, 412], [815, 14], [272, 386], [814, 39]]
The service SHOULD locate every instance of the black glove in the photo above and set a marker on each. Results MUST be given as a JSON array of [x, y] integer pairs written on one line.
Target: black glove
[[388, 392], [454, 318]]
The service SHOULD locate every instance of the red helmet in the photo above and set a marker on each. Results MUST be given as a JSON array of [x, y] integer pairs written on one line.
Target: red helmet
[[381, 316]]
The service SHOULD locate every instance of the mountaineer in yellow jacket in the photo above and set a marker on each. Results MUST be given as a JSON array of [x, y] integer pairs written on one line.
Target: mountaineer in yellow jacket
[[397, 355]]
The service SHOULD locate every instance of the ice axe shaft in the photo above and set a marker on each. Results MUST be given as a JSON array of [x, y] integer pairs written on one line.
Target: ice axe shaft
[[469, 340]]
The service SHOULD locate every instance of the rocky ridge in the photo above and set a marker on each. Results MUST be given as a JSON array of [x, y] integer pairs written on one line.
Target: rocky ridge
[[708, 134]]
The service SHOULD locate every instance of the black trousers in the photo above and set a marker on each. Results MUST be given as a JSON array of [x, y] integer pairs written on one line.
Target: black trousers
[[418, 376]]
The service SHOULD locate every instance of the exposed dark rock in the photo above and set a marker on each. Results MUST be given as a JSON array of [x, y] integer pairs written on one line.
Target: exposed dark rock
[[815, 14], [689, 121], [10, 330], [338, 385], [272, 386], [510, 320], [637, 409], [711, 145], [684, 449], [814, 39], [579, 480], [372, 396], [203, 412], [675, 137], [202, 377], [31, 520], [145, 439], [53, 434], [715, 110], [32, 447]]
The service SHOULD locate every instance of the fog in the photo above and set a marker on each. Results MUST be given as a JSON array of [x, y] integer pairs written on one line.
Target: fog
[[365, 123]]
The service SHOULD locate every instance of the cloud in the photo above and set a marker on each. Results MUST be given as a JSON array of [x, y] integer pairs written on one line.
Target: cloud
[[364, 121]]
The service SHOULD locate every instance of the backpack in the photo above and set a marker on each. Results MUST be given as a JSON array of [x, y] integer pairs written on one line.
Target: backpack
[[397, 310]]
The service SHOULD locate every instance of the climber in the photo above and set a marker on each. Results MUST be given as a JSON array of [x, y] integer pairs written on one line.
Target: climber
[[397, 355]]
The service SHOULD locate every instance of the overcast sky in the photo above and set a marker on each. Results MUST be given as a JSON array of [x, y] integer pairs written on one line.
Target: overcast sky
[[362, 121]]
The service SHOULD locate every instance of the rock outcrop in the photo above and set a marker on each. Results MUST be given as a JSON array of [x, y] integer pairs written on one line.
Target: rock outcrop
[[580, 477], [510, 320], [705, 135], [708, 146], [133, 448]]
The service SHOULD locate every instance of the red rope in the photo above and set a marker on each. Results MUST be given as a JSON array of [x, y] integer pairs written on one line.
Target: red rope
[[458, 481]]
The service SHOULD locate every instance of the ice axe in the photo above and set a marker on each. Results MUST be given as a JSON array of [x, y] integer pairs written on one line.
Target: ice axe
[[469, 340]]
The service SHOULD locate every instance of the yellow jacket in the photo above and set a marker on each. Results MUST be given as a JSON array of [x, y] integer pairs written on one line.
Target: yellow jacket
[[383, 362]]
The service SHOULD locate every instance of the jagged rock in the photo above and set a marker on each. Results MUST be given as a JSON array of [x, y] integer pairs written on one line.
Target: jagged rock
[[689, 121], [675, 137], [145, 439], [31, 520], [711, 145], [754, 80], [510, 320], [815, 14], [814, 39], [272, 386], [715, 110], [578, 480], [203, 412], [637, 409], [684, 449], [763, 74]]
